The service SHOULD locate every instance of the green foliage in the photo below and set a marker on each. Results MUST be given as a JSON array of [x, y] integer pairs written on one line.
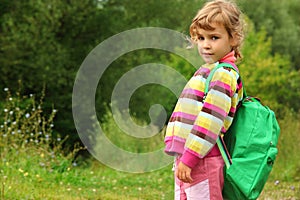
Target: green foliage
[[146, 95], [43, 43], [171, 14], [23, 177], [280, 19], [132, 144], [132, 14], [269, 77], [33, 164], [287, 166], [26, 132], [100, 182]]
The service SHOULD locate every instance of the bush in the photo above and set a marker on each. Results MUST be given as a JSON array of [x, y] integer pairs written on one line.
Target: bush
[[26, 133]]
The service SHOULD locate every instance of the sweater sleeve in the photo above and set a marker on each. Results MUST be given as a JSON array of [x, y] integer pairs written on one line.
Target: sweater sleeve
[[219, 102]]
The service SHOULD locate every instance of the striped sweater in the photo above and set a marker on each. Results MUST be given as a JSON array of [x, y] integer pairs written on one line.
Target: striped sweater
[[196, 122]]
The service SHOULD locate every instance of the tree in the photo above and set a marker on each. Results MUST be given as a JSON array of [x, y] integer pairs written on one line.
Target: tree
[[42, 44], [269, 77], [280, 19]]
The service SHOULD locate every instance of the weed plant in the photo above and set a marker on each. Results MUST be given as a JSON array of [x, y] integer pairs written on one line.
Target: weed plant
[[131, 141], [287, 165], [27, 143]]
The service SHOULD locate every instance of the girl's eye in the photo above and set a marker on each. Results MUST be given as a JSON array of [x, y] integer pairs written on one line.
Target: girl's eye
[[200, 38], [214, 37]]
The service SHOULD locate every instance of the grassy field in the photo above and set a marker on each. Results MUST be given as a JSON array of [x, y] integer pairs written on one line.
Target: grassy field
[[33, 164], [24, 181]]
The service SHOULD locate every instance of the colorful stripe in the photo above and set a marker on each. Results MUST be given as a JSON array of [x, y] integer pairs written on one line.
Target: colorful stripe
[[197, 122]]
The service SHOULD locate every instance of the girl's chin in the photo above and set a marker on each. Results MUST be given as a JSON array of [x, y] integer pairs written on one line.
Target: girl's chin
[[209, 61]]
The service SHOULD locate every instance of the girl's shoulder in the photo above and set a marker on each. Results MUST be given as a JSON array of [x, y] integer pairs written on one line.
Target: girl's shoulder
[[204, 70], [232, 71]]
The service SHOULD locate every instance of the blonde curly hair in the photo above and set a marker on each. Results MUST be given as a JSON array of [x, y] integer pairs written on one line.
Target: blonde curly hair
[[222, 12]]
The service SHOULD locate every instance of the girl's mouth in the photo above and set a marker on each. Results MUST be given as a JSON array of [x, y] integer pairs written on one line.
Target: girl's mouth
[[207, 57], [207, 54]]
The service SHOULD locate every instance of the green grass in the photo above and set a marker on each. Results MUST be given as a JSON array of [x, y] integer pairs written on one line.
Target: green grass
[[33, 164], [93, 182], [99, 182], [281, 190]]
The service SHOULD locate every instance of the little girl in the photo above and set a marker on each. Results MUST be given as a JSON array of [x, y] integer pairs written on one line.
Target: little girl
[[197, 121]]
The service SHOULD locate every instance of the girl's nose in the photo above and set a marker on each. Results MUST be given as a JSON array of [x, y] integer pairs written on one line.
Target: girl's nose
[[206, 44]]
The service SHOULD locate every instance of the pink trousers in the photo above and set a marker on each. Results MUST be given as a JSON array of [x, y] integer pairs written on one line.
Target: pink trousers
[[207, 182]]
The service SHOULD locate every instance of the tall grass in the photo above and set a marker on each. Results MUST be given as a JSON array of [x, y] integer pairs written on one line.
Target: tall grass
[[27, 143], [128, 141], [287, 165], [284, 180], [33, 164]]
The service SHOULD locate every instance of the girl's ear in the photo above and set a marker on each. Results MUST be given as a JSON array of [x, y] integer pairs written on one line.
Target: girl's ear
[[234, 40]]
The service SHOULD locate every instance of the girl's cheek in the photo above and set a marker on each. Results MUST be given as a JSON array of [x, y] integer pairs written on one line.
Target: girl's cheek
[[199, 48]]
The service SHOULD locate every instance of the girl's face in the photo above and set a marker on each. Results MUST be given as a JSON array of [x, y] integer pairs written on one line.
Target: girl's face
[[214, 44]]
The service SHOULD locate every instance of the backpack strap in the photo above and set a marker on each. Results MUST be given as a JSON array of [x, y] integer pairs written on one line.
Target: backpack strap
[[224, 151], [224, 64], [220, 142]]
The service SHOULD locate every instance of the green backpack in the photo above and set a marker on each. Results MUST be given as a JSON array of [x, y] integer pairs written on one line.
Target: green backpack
[[248, 147]]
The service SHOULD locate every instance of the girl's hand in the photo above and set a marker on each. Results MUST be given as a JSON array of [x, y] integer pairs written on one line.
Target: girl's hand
[[183, 173]]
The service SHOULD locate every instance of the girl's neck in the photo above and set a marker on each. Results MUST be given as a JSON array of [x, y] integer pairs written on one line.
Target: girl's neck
[[228, 58]]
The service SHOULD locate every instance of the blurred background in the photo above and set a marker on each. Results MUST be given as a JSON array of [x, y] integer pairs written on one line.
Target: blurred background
[[43, 43]]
